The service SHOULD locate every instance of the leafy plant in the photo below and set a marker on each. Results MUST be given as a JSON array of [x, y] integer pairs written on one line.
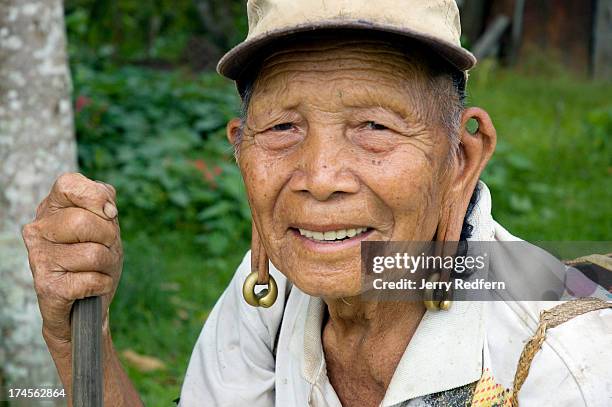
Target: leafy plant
[[550, 174], [159, 139], [161, 33]]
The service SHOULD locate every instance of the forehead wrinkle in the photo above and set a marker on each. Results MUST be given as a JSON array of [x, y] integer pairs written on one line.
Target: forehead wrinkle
[[402, 105], [398, 68], [377, 57], [396, 73], [309, 50], [362, 75], [394, 77], [372, 54], [373, 63], [276, 93], [404, 99], [288, 95]]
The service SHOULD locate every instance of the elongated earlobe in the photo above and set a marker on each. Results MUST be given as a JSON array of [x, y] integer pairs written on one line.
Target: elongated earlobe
[[259, 257], [478, 138], [260, 275]]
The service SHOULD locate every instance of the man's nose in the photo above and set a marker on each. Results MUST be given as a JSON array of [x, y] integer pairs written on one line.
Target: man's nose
[[325, 166]]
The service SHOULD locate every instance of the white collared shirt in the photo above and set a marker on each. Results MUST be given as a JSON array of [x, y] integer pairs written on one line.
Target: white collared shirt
[[258, 357]]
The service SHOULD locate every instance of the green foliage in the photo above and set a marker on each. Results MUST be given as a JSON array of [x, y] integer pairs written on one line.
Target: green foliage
[[159, 139], [162, 32], [550, 174], [134, 30], [167, 290]]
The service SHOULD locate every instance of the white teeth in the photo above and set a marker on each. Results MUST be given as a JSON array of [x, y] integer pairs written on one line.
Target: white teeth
[[317, 235], [333, 234]]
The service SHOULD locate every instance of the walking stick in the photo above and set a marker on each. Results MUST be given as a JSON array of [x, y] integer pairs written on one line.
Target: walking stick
[[87, 353]]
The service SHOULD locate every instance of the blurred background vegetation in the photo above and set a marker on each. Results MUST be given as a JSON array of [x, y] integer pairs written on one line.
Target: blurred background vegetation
[[150, 116]]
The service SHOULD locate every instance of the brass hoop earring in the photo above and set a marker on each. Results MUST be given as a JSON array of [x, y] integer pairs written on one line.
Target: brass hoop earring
[[260, 274], [429, 296], [265, 298]]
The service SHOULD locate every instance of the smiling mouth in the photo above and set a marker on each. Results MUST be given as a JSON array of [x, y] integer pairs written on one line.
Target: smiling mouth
[[333, 236]]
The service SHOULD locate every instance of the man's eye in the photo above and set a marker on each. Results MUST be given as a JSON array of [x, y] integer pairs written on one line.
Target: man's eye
[[375, 126], [282, 127]]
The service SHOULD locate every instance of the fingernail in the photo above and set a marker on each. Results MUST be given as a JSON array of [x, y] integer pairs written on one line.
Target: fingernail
[[110, 210]]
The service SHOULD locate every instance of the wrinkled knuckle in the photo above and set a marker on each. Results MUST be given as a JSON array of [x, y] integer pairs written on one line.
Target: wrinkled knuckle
[[108, 189], [71, 292], [37, 285], [41, 206], [70, 183], [95, 285], [112, 190], [105, 285], [36, 262], [76, 288], [89, 256], [119, 255], [94, 256], [64, 181], [29, 233], [116, 237], [79, 219], [26, 232], [42, 287]]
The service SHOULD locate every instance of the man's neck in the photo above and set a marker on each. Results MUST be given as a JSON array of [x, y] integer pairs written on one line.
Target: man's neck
[[363, 343]]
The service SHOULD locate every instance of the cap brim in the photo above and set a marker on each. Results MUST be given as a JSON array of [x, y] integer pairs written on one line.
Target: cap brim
[[236, 60]]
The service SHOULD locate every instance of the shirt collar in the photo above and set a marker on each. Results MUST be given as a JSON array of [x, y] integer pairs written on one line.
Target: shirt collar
[[445, 351]]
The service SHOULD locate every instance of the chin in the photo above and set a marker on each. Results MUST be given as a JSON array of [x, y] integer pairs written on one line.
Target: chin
[[324, 280]]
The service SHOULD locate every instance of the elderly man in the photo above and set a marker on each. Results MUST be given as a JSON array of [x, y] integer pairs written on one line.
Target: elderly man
[[354, 130]]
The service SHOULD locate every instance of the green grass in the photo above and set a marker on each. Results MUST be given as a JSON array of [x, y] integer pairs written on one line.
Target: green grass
[[550, 180], [166, 292], [551, 174]]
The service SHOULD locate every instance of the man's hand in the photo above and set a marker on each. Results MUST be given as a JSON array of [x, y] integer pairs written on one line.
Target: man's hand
[[74, 248], [75, 252]]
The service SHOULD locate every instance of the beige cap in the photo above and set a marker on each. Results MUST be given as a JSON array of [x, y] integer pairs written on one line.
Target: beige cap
[[432, 22]]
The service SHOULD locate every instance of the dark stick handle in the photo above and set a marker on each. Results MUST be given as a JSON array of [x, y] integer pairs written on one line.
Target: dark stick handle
[[87, 387]]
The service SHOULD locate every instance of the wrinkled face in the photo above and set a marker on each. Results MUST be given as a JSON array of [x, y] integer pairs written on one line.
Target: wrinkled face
[[338, 149]]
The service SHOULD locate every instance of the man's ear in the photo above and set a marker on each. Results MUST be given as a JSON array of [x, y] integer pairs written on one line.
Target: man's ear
[[476, 147], [232, 130], [475, 150]]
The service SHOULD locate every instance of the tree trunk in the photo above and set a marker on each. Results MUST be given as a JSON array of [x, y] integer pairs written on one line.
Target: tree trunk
[[36, 145], [216, 17], [472, 19], [602, 38]]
